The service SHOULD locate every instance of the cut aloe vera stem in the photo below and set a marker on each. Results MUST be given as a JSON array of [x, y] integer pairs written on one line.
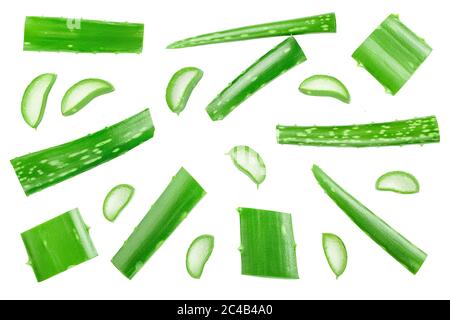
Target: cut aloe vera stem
[[249, 162], [283, 57], [392, 54], [325, 23], [58, 245], [268, 247], [116, 200], [415, 131], [335, 252], [40, 170], [34, 99], [198, 255], [411, 257], [325, 86], [181, 86], [399, 182], [83, 92], [172, 207], [82, 36]]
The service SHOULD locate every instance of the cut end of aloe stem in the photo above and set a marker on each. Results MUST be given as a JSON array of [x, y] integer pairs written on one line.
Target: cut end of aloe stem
[[117, 200], [181, 87], [249, 162], [198, 255], [325, 86], [398, 182], [335, 252]]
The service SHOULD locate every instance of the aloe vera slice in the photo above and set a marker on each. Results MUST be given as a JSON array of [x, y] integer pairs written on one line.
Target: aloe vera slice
[[399, 182], [198, 255], [335, 252], [35, 97], [116, 200], [325, 86], [83, 92], [249, 162], [180, 88]]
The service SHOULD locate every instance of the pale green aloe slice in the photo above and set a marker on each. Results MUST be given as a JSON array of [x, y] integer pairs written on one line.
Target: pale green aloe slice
[[198, 255], [399, 182], [249, 162], [116, 201], [180, 88], [325, 86], [335, 252]]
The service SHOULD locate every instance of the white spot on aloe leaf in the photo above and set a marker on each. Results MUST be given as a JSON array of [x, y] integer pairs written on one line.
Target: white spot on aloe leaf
[[249, 162], [116, 200], [180, 88], [335, 253], [325, 86], [198, 255], [398, 182]]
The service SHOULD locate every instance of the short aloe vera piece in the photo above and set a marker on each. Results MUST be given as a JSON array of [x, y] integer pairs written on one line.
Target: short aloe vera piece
[[268, 247], [325, 86], [35, 97], [58, 245], [198, 255], [392, 54], [407, 254], [283, 57], [171, 208], [83, 92], [398, 133], [180, 88], [399, 182], [43, 169], [325, 23], [335, 252], [117, 200], [82, 36], [249, 162]]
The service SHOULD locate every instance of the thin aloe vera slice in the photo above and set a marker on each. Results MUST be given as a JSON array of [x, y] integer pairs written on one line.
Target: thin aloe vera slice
[[335, 252], [268, 247], [181, 86], [172, 207], [58, 245], [399, 182], [283, 57], [40, 170], [35, 97], [406, 132], [198, 255], [249, 162], [325, 86], [407, 254], [325, 23], [83, 92], [116, 200], [82, 36], [392, 54]]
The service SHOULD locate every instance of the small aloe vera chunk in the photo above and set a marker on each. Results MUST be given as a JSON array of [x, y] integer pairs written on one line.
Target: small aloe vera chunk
[[335, 252], [116, 200], [35, 97], [249, 162], [180, 88], [325, 86], [399, 182], [198, 255]]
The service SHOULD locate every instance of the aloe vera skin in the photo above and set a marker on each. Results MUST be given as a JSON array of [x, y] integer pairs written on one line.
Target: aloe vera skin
[[407, 132], [172, 207], [407, 254], [283, 57], [180, 88], [82, 36], [325, 23], [40, 170]]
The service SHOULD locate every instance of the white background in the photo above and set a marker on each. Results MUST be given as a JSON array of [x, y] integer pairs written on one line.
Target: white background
[[195, 142]]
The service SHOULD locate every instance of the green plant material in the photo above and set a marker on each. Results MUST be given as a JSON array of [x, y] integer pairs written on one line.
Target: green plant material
[[58, 245], [399, 182], [325, 23], [116, 200], [40, 170], [268, 247], [198, 255], [415, 131], [325, 86], [283, 57], [83, 92], [392, 54], [249, 162], [335, 252], [180, 88], [411, 257], [35, 97], [82, 36], [172, 207]]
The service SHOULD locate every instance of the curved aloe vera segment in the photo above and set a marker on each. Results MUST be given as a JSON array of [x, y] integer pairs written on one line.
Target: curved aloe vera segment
[[399, 182], [171, 208], [268, 247], [180, 88], [116, 200], [198, 255], [335, 252], [325, 23], [325, 86], [83, 92], [249, 162], [407, 254], [414, 131], [40, 170], [283, 57], [35, 97]]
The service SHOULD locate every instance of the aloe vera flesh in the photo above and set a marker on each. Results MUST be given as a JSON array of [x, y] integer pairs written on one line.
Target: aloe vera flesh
[[325, 86], [40, 170], [399, 182], [117, 200], [180, 88], [198, 255], [249, 162], [335, 252]]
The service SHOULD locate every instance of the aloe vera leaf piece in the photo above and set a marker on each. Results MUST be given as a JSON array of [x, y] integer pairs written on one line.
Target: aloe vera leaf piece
[[335, 252], [180, 88], [249, 162], [172, 207], [117, 200], [283, 57], [58, 245], [35, 97], [399, 182], [198, 255], [325, 86]]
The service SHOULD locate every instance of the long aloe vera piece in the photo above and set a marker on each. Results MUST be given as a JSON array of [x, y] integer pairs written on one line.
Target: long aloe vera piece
[[283, 57], [40, 170], [414, 131], [399, 182], [325, 23], [268, 247], [335, 252], [180, 88], [325, 86], [172, 207], [58, 245], [116, 201], [82, 36], [198, 255], [411, 257], [249, 162]]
